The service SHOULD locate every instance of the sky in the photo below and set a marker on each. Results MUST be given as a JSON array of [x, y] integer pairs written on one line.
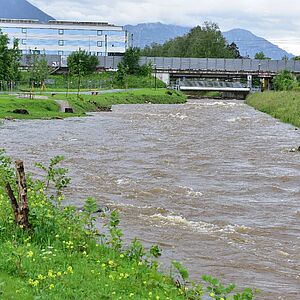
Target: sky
[[276, 20]]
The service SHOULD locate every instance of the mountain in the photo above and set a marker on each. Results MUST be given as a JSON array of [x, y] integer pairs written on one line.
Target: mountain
[[149, 33], [22, 9], [248, 43]]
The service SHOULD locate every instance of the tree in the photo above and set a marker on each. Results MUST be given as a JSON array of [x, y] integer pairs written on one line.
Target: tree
[[39, 70], [9, 59], [234, 49], [81, 63], [260, 55], [201, 41], [296, 57], [131, 60], [130, 66]]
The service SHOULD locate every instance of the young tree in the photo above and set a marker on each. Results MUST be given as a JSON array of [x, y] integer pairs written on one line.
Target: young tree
[[130, 66], [81, 63], [131, 60], [39, 70], [9, 59]]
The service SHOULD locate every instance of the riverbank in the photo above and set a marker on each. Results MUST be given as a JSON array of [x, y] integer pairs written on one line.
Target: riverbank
[[89, 102], [62, 254], [284, 106]]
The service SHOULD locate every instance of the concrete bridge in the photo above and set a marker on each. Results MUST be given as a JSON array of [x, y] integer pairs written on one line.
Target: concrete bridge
[[172, 69], [192, 65]]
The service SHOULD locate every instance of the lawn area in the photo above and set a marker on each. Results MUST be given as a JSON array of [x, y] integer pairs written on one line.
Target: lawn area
[[284, 106], [37, 108]]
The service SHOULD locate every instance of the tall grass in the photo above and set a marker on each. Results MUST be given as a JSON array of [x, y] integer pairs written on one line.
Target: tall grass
[[284, 106]]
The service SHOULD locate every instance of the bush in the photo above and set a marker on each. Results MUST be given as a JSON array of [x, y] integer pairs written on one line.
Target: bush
[[285, 81]]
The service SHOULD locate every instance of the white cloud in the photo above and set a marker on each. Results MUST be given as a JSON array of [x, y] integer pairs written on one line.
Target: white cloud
[[271, 19]]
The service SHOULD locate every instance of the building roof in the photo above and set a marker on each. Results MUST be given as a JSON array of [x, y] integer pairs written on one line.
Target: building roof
[[55, 22]]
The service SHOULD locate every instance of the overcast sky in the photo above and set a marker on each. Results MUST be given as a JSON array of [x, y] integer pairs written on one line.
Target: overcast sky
[[275, 20]]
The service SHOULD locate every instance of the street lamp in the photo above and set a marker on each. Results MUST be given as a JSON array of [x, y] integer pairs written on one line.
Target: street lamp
[[259, 65]]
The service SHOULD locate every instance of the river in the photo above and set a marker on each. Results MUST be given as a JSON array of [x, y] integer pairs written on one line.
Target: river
[[212, 182]]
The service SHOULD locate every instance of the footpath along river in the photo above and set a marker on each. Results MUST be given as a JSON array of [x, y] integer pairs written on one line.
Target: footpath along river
[[212, 182]]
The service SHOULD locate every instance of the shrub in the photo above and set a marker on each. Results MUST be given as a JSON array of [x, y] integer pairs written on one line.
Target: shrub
[[285, 81]]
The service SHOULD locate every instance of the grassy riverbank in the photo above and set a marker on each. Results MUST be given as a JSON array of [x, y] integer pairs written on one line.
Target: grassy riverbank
[[48, 108], [284, 106], [90, 103], [65, 256]]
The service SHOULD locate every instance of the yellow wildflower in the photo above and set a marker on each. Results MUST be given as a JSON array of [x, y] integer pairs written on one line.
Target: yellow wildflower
[[70, 270], [29, 253], [33, 282], [41, 277], [51, 286]]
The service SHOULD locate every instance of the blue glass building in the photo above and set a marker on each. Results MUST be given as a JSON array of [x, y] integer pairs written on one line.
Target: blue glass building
[[65, 37]]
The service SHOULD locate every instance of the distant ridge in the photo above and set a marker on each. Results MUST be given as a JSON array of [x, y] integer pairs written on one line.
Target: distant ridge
[[148, 33], [22, 9], [248, 43]]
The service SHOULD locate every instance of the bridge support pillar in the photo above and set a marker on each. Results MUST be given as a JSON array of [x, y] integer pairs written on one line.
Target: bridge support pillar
[[165, 77]]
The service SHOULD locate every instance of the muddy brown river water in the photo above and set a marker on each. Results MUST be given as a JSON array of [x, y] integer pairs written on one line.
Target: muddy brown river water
[[212, 182]]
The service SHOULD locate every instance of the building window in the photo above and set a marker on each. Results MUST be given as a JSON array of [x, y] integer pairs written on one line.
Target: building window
[[99, 53], [60, 52], [24, 30], [99, 32], [60, 42], [60, 31], [99, 44], [23, 42]]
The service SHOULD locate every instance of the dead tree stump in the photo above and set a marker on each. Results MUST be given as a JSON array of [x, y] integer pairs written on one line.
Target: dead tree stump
[[20, 207]]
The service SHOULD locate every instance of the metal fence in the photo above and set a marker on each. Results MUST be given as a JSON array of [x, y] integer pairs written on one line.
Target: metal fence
[[218, 64], [186, 64]]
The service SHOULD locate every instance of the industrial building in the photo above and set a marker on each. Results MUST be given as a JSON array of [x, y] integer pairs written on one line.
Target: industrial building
[[64, 37]]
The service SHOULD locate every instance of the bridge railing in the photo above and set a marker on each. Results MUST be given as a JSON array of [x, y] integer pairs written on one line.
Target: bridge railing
[[220, 64], [186, 64]]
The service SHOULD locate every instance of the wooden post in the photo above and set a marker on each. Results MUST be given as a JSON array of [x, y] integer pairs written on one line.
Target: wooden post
[[20, 206]]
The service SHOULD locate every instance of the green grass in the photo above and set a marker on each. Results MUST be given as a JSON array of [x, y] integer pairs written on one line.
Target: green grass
[[37, 108], [12, 288], [284, 106]]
